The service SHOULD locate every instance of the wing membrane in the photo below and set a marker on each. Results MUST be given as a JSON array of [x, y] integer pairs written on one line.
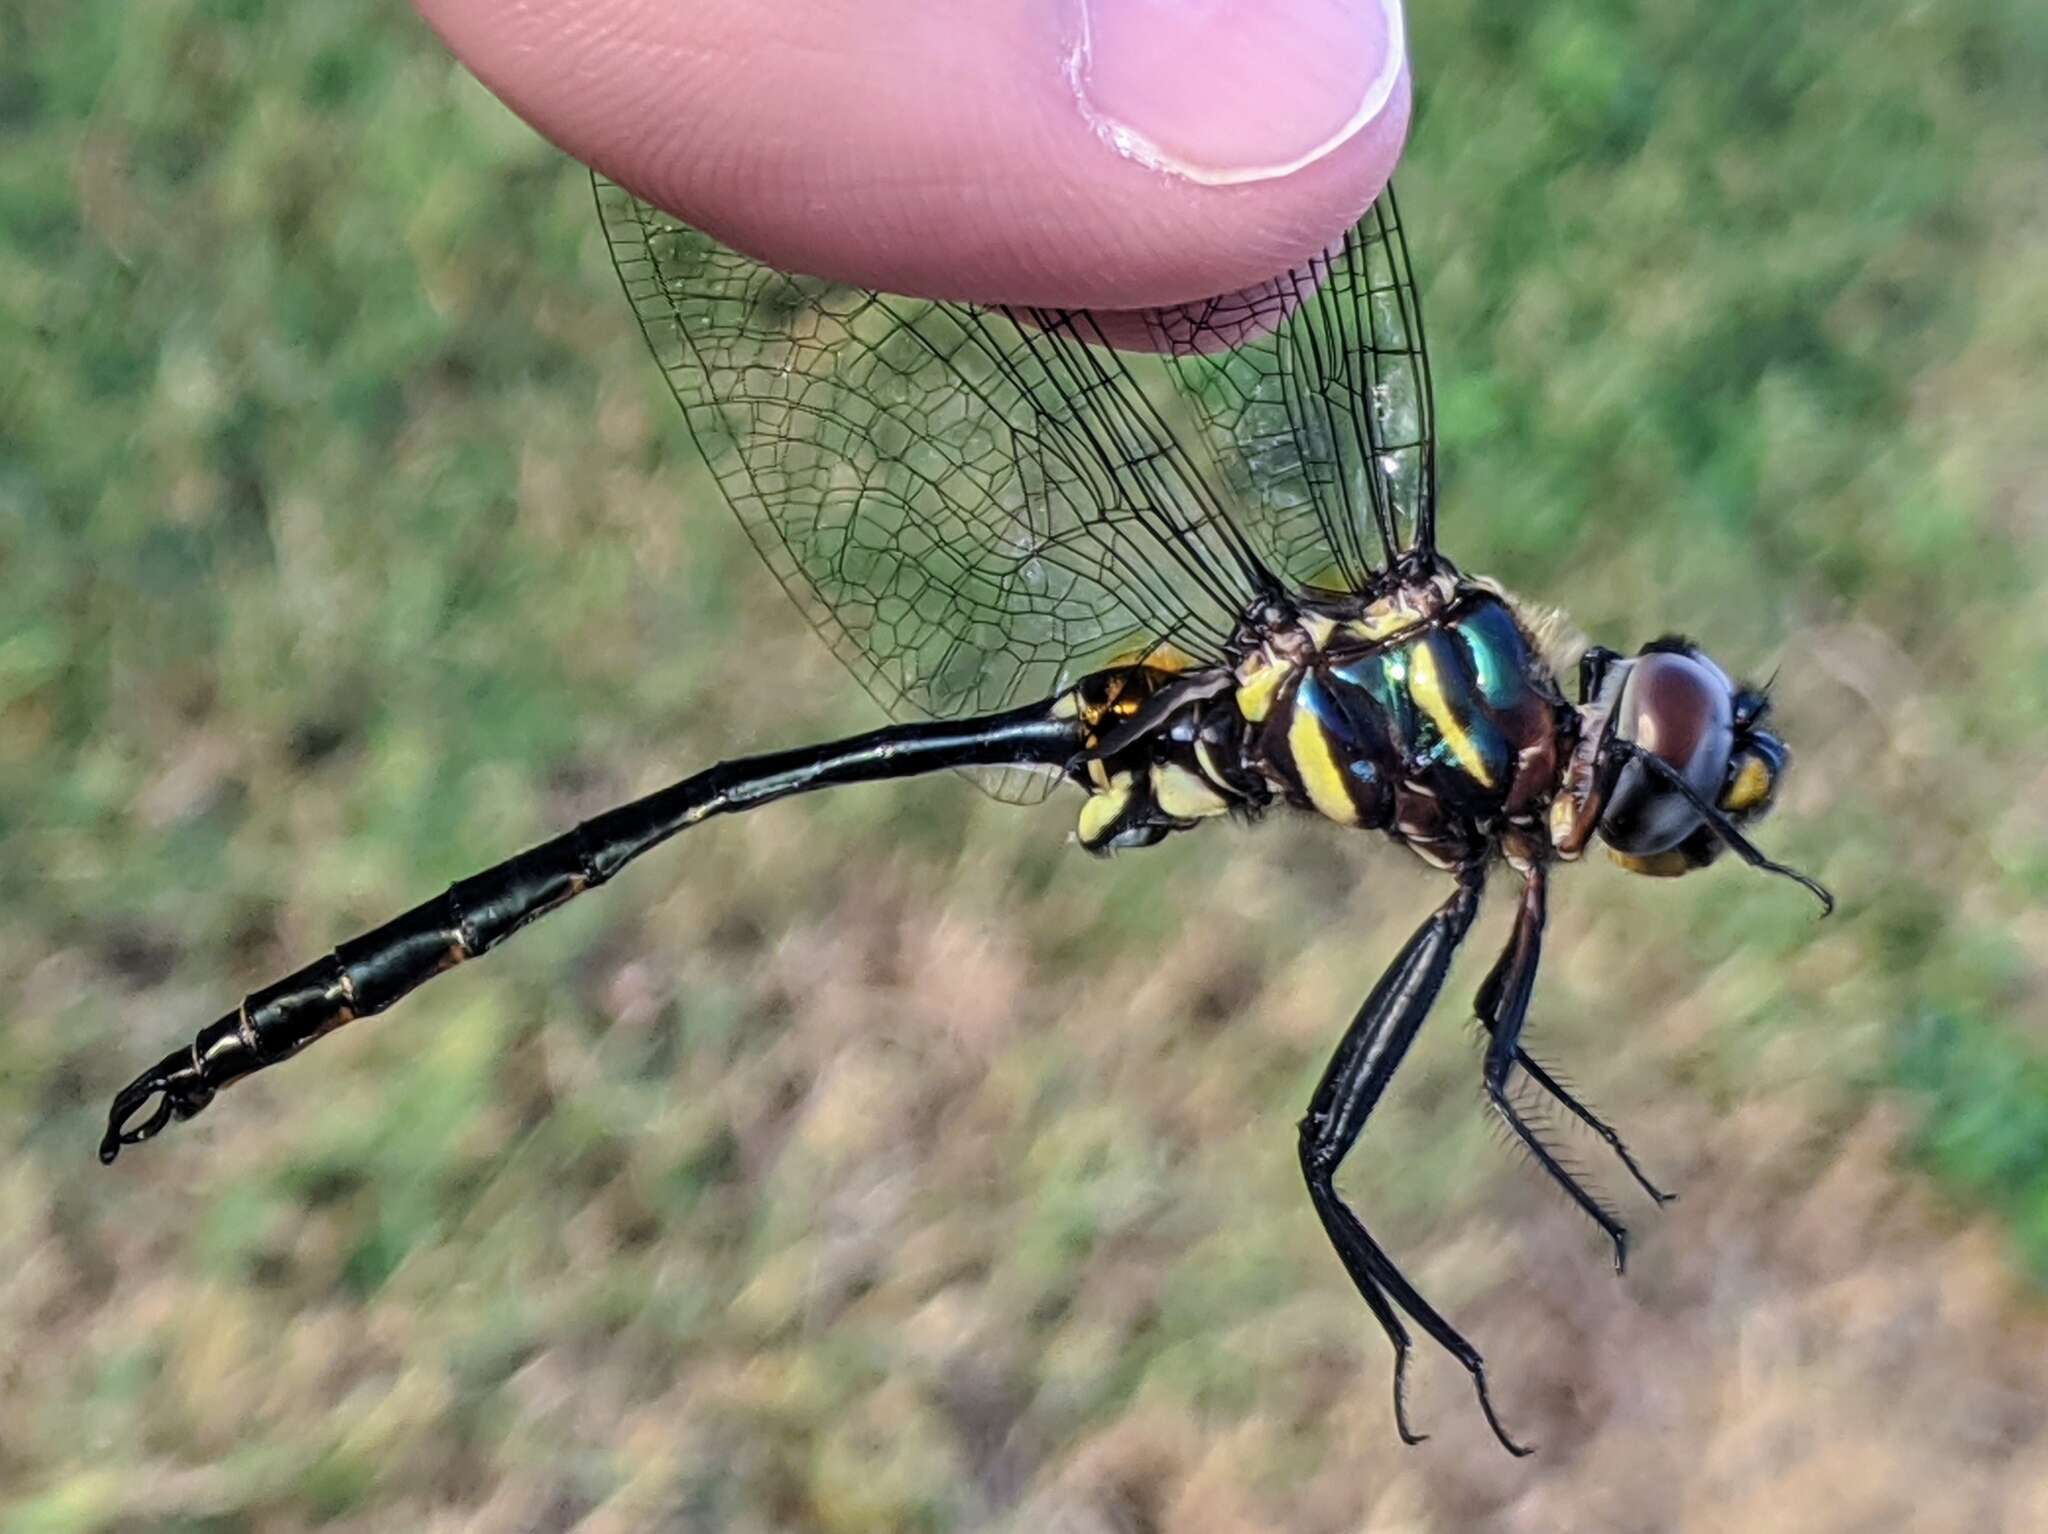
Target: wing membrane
[[1315, 389], [974, 506]]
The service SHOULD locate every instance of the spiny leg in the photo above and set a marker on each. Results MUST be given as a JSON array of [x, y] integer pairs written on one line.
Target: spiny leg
[[1404, 1346], [1352, 1084], [1503, 1006], [1578, 1110], [1591, 668]]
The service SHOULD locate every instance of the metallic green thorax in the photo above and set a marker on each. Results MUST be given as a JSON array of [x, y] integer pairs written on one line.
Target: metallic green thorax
[[1427, 714]]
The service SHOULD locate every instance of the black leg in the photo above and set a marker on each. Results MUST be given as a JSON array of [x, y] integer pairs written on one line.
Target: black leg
[[369, 973], [1503, 1006], [1719, 823], [1351, 1087], [1593, 669], [1578, 1110], [1488, 1008]]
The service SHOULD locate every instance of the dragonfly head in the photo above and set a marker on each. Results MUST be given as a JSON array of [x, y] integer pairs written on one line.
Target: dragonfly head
[[1678, 707], [1673, 761]]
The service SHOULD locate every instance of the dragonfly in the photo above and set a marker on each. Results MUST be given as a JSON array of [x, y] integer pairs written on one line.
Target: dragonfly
[[1184, 560]]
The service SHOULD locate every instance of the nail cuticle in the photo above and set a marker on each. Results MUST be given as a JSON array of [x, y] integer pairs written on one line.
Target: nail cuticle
[[1135, 144]]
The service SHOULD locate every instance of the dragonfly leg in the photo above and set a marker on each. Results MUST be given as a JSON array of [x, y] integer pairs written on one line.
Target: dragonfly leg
[[1352, 1084], [369, 973], [1536, 1072], [1594, 665], [1503, 1007]]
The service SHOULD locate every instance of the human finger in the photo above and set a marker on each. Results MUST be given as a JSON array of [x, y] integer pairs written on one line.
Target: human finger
[[1102, 153]]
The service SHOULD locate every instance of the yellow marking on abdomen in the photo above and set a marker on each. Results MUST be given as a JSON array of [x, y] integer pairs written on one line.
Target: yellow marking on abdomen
[[1426, 688], [1183, 795], [1315, 763], [1101, 810], [1164, 656]]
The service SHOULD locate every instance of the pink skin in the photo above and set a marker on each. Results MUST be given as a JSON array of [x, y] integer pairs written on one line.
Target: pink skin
[[964, 148]]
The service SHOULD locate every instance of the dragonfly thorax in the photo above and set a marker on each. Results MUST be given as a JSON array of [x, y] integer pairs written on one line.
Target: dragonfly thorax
[[1424, 711]]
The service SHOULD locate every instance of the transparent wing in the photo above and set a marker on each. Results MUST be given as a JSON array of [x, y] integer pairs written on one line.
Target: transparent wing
[[1314, 391], [974, 506], [969, 509]]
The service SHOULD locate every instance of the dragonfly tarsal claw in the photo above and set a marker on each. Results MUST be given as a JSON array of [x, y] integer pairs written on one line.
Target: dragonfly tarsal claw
[[174, 1082]]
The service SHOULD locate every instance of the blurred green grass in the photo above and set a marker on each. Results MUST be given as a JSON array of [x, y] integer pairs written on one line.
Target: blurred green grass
[[877, 1162]]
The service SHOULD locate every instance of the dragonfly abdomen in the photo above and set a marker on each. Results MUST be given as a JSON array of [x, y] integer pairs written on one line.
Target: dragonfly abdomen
[[1163, 750]]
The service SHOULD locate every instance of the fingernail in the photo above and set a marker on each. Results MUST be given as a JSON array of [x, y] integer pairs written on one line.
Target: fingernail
[[1227, 91]]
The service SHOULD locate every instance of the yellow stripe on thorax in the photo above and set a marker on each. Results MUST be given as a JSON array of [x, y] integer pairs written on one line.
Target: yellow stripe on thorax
[[1382, 620], [1425, 686], [1315, 763], [1256, 686]]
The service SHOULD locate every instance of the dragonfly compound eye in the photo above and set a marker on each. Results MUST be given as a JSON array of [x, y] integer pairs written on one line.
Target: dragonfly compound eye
[[1678, 705]]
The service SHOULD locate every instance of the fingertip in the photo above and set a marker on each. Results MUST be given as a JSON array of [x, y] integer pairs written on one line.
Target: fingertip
[[1229, 94], [1107, 153]]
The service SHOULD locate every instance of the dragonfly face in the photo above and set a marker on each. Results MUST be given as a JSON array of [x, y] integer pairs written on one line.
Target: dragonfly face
[[1699, 746], [1195, 581]]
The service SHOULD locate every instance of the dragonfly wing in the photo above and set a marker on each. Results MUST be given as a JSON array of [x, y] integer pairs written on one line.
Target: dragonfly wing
[[1314, 393], [971, 507]]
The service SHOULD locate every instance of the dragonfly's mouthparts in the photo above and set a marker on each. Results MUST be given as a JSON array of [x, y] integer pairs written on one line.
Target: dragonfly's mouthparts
[[1725, 828], [176, 1080]]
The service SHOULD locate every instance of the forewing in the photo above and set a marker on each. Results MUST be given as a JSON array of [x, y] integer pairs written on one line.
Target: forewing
[[971, 508], [1314, 391]]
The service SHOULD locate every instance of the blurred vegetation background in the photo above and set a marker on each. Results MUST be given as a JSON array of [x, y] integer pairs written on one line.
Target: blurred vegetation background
[[877, 1162]]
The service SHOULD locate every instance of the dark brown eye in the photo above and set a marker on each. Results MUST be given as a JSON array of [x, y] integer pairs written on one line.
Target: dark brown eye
[[1680, 706]]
